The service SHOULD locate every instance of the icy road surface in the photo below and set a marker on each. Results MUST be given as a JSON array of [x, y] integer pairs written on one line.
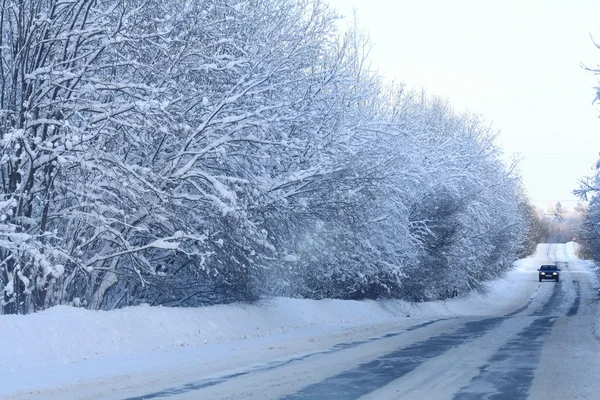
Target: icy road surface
[[543, 348]]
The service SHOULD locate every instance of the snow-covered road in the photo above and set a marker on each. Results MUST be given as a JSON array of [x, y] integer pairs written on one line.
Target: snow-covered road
[[527, 340]]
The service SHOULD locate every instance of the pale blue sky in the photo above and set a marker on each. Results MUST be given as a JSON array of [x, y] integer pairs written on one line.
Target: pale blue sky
[[517, 63]]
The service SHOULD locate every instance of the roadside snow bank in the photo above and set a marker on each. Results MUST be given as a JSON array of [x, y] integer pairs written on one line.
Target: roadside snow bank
[[571, 250], [66, 335]]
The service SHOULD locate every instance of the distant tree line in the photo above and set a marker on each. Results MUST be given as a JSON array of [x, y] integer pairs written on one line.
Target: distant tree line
[[555, 225], [187, 153]]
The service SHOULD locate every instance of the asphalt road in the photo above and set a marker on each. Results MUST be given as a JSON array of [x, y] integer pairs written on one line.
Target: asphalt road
[[547, 349]]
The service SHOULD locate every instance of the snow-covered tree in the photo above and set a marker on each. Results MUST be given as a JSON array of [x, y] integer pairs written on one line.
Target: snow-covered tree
[[189, 153], [559, 212]]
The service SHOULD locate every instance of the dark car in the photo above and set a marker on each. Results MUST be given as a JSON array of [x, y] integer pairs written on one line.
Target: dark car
[[549, 272]]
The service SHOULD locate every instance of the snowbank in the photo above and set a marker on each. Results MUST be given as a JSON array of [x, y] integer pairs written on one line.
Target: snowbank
[[572, 251], [65, 334], [594, 273]]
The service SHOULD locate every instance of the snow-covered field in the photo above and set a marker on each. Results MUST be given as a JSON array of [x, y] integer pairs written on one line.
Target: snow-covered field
[[64, 347]]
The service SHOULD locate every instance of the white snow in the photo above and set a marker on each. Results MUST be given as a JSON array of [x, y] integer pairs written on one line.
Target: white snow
[[65, 345], [593, 269], [291, 258]]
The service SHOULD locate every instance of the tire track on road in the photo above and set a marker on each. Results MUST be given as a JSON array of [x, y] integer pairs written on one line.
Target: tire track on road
[[575, 307], [205, 383], [554, 303], [510, 372], [367, 377]]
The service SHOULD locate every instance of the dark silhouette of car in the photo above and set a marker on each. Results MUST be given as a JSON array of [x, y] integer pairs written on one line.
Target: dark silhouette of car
[[549, 272]]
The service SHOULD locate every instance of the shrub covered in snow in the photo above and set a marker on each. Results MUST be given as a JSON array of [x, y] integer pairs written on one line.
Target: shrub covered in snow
[[190, 153]]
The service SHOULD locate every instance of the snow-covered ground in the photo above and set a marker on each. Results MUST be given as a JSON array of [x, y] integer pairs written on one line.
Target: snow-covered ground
[[69, 349]]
